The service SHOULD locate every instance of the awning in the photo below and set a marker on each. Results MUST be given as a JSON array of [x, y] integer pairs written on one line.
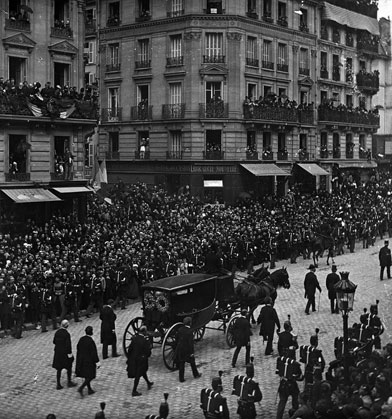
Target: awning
[[73, 189], [264, 169], [213, 183], [313, 168], [27, 196], [358, 164], [348, 18]]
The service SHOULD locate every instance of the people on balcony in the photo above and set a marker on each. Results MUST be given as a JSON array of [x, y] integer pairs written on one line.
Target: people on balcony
[[302, 153], [368, 78], [349, 73], [368, 41], [251, 151], [267, 153], [350, 149], [343, 112], [324, 151], [19, 16]]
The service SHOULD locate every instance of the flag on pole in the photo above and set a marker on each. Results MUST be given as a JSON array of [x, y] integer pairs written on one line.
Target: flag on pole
[[35, 110], [68, 112], [103, 174]]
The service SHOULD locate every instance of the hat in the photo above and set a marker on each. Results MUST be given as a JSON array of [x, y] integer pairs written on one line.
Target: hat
[[89, 330], [386, 241], [250, 370], [334, 268], [311, 266], [187, 321]]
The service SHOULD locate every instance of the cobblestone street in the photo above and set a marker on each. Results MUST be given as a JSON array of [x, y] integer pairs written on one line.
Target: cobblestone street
[[28, 383]]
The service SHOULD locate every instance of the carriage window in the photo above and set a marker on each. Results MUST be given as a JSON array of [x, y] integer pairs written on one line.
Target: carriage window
[[182, 292]]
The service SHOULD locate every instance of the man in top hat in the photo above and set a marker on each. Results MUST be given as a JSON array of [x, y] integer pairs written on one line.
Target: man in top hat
[[385, 259], [185, 350], [311, 284], [108, 330], [332, 279], [242, 332], [267, 320]]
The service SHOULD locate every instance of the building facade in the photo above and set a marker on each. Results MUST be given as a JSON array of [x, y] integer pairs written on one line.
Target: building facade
[[44, 117], [230, 97]]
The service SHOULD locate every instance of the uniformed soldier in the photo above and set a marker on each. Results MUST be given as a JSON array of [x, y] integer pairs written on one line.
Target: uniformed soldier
[[286, 340], [97, 290], [373, 321], [163, 409], [122, 287], [213, 404], [248, 392], [313, 359]]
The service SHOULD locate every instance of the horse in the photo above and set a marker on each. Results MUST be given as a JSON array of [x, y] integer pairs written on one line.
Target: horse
[[252, 294], [318, 244]]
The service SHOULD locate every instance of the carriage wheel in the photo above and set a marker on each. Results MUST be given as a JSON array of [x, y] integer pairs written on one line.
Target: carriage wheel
[[229, 332], [198, 334], [133, 326], [168, 346]]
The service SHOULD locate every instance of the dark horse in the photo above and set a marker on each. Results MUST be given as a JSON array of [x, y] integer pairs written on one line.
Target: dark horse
[[253, 290], [318, 244]]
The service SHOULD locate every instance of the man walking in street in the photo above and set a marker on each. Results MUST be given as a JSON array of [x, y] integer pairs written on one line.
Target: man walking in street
[[384, 257], [242, 333], [332, 279], [87, 360], [267, 320], [311, 284], [108, 330], [63, 357]]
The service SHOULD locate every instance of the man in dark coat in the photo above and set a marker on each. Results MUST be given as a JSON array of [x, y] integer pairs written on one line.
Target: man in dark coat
[[242, 333], [108, 330], [267, 320], [311, 284], [286, 340], [385, 260], [87, 360], [63, 357], [185, 351], [332, 279], [137, 359]]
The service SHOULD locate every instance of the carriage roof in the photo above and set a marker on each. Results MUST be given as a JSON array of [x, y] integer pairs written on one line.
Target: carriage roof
[[178, 282]]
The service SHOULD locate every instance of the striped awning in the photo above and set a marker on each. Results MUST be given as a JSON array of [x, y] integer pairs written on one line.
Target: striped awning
[[313, 168], [360, 164], [27, 196], [348, 18], [264, 169], [73, 189]]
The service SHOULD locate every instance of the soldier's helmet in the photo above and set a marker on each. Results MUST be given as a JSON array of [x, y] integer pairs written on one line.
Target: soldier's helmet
[[250, 370], [216, 384]]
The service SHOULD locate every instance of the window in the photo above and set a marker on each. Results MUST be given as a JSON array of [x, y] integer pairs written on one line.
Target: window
[[17, 69], [282, 142], [114, 14], [267, 54], [252, 91], [303, 142], [114, 143], [349, 101], [282, 58], [143, 93], [91, 78], [324, 145], [349, 70], [303, 20], [304, 62], [113, 57], [61, 74], [18, 148], [89, 154], [177, 7], [336, 67], [214, 6], [324, 65], [213, 141], [267, 90], [144, 53], [362, 65], [282, 92], [175, 146], [323, 96], [336, 97], [267, 7], [113, 98], [251, 142], [267, 141], [251, 6], [336, 145], [92, 52], [251, 51], [175, 54], [282, 10], [213, 91], [349, 146], [61, 13], [303, 97], [214, 46], [175, 91]]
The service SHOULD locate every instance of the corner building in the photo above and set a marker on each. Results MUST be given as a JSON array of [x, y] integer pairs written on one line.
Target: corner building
[[224, 96]]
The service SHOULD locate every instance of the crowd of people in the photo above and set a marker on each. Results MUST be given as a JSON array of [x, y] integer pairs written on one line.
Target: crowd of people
[[275, 101]]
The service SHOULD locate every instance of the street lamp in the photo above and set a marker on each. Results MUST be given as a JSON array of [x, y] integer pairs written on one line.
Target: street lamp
[[345, 291]]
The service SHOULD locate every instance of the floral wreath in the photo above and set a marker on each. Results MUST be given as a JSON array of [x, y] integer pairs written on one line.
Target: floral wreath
[[149, 300], [162, 303]]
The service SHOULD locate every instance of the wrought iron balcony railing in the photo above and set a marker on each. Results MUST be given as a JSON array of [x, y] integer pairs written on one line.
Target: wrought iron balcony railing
[[18, 25], [304, 71], [282, 21], [112, 155], [174, 155], [303, 27], [174, 111], [252, 62], [252, 155], [271, 114], [111, 114], [174, 61], [217, 109], [358, 118], [142, 155], [336, 153], [267, 64], [20, 177], [143, 17], [113, 21], [349, 154], [141, 113], [113, 67], [368, 82], [175, 13], [91, 27], [267, 155], [324, 74], [324, 153], [142, 64], [283, 155], [61, 32], [214, 59], [213, 155], [283, 67], [306, 116], [303, 155], [252, 15]]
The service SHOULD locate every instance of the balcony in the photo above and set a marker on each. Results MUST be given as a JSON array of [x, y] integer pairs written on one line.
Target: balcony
[[267, 17], [267, 155], [363, 154], [141, 113], [306, 116], [267, 65], [347, 117], [112, 155], [18, 177], [252, 155], [282, 21], [91, 27], [113, 21], [111, 114], [214, 59], [283, 155], [270, 114], [324, 74], [324, 153], [304, 71], [368, 82], [252, 62], [214, 9], [57, 176], [252, 14], [113, 67], [145, 16], [60, 32], [17, 25], [368, 43], [213, 155], [216, 109], [303, 155], [336, 153], [142, 155], [283, 67], [174, 61], [175, 111], [175, 13], [174, 155], [324, 34], [303, 27], [140, 65]]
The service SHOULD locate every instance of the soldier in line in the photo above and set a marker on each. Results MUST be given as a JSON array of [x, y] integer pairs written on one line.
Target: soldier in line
[[286, 340], [213, 404]]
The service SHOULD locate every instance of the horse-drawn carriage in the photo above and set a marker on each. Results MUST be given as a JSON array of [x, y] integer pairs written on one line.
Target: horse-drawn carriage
[[203, 297]]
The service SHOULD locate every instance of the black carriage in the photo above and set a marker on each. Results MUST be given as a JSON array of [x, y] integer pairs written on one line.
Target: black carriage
[[167, 301]]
